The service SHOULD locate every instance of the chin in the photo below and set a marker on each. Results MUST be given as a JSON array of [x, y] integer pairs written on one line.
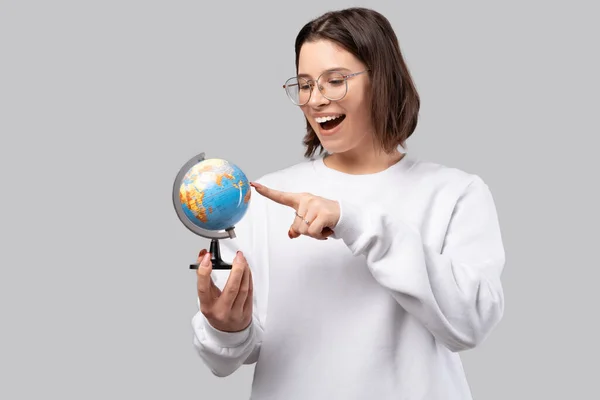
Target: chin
[[340, 142], [335, 145]]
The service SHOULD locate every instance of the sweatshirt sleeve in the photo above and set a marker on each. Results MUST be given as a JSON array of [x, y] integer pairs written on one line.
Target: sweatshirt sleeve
[[224, 352], [455, 291]]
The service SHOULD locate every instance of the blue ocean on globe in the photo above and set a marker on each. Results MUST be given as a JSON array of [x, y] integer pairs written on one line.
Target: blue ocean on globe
[[215, 194]]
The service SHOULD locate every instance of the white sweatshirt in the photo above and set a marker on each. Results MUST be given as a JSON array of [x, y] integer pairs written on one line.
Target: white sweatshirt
[[379, 311]]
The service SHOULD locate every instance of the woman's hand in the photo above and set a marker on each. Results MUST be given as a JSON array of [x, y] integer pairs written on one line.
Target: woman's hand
[[315, 216], [229, 310]]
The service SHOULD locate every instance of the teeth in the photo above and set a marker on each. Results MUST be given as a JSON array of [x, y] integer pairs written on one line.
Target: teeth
[[320, 120]]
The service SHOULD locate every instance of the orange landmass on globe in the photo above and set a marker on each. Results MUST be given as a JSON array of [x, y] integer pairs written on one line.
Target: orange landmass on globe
[[247, 196], [219, 178], [193, 200]]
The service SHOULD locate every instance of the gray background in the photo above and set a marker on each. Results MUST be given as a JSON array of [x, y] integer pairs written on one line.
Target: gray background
[[102, 102]]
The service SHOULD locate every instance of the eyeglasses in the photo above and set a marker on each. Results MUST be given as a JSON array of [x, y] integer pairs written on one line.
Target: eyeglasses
[[333, 85]]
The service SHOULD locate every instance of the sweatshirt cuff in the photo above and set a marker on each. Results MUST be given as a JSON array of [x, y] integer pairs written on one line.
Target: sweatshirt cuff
[[349, 226], [365, 230], [225, 339]]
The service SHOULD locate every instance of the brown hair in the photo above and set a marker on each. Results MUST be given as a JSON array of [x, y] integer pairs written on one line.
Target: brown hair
[[369, 36]]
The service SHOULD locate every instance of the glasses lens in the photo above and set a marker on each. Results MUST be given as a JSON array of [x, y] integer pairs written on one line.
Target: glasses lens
[[333, 85], [298, 90]]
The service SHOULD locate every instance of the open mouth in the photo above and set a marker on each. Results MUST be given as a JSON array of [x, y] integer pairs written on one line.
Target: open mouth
[[330, 122]]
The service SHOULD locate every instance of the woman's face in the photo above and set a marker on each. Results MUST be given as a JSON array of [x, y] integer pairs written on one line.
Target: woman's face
[[352, 123]]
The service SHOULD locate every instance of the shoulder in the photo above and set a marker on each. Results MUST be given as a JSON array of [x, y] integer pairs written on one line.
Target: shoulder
[[443, 185], [443, 177]]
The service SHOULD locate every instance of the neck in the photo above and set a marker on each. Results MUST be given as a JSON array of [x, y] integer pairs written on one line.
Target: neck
[[360, 161]]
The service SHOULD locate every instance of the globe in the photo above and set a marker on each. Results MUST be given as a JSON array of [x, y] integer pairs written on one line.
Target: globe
[[214, 194], [210, 197]]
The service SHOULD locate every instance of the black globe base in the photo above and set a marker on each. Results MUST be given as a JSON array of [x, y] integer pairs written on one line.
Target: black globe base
[[217, 261]]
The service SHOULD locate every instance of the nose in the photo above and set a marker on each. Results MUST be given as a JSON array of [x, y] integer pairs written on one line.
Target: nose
[[317, 99]]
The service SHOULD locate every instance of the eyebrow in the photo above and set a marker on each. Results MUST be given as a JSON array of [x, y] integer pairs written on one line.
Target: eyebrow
[[337, 69]]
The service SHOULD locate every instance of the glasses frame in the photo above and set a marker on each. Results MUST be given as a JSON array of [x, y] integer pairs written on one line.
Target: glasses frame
[[312, 83]]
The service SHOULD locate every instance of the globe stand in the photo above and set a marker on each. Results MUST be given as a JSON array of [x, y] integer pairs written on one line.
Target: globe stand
[[215, 252], [215, 236]]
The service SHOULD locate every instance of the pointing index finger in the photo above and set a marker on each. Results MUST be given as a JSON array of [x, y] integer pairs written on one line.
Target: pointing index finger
[[284, 198]]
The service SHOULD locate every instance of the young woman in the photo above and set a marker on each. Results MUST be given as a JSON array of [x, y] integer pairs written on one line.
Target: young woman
[[361, 273]]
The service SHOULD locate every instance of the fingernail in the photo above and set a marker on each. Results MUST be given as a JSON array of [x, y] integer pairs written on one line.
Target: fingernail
[[202, 253], [256, 185], [205, 261]]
